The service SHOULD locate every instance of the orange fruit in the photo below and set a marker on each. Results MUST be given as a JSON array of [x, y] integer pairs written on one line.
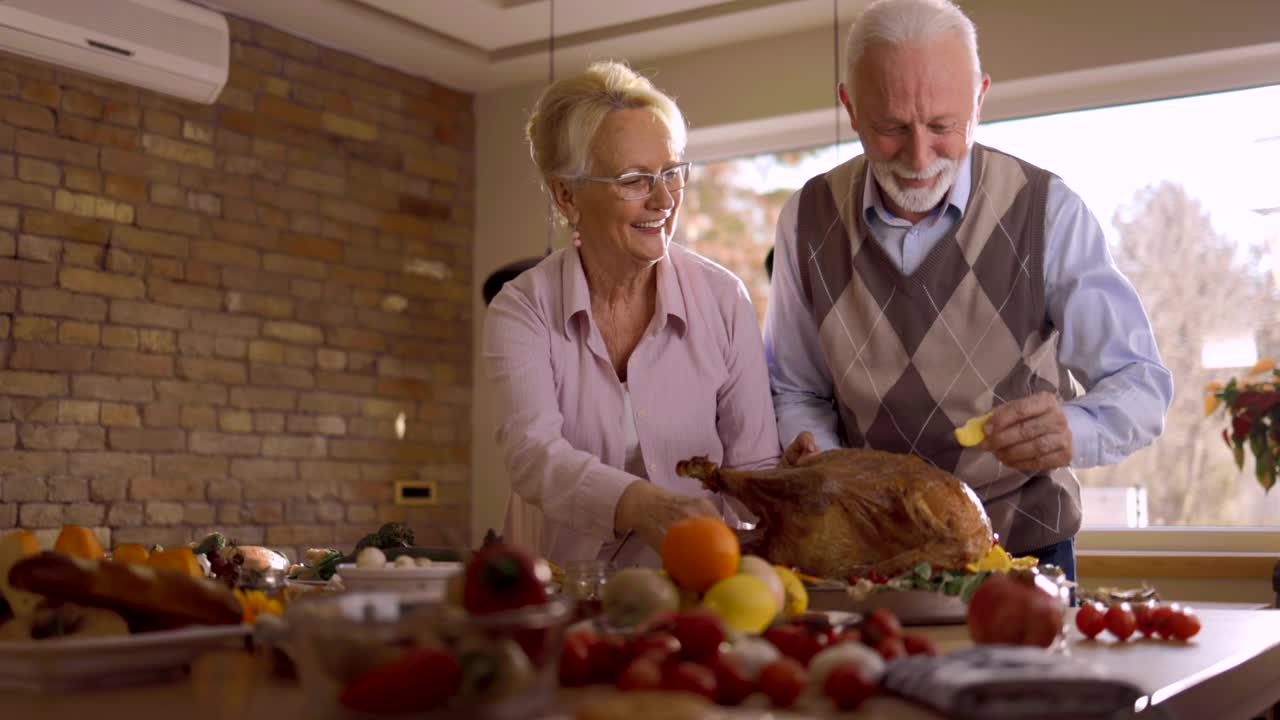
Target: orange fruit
[[179, 558], [698, 552], [130, 553], [79, 542]]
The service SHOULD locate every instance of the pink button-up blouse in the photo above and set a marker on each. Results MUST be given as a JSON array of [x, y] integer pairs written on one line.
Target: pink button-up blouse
[[697, 381]]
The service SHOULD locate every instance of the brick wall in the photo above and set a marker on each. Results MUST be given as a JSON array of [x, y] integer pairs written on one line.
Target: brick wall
[[211, 317]]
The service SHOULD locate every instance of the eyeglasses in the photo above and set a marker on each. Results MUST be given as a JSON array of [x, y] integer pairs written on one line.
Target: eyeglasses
[[639, 185]]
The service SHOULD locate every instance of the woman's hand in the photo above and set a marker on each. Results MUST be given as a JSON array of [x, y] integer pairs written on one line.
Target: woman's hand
[[649, 511], [800, 448]]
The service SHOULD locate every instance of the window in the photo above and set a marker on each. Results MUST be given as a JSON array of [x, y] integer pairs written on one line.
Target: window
[[1184, 189]]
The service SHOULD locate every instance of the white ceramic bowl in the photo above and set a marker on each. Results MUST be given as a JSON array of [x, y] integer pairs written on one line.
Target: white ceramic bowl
[[423, 580]]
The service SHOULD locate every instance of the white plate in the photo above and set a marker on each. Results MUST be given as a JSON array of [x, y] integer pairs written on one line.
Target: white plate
[[75, 664], [913, 607], [421, 579]]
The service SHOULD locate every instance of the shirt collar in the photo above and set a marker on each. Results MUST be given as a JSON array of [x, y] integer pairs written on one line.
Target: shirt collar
[[577, 297], [873, 207]]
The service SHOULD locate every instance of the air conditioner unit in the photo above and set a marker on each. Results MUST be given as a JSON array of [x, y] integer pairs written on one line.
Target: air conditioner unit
[[169, 46]]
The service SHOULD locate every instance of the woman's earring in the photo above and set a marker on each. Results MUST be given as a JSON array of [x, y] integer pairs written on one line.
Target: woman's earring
[[576, 237]]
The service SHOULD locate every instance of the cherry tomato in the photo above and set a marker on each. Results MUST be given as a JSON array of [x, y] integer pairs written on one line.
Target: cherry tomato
[[846, 686], [1090, 620], [793, 641], [783, 680], [732, 684], [654, 642], [609, 656], [644, 673], [918, 644], [691, 677], [1144, 613], [700, 633], [1120, 621], [576, 668], [1160, 619], [891, 647], [880, 624], [1183, 625]]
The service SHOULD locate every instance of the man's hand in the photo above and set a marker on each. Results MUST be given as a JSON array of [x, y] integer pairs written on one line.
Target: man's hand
[[800, 448], [1030, 433], [649, 511]]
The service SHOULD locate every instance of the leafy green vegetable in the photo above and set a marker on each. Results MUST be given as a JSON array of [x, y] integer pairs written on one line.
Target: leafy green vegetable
[[922, 577]]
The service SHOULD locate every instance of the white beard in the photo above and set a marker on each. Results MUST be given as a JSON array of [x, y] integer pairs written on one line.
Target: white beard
[[916, 200]]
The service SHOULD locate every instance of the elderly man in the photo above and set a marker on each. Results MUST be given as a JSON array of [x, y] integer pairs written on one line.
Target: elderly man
[[932, 280]]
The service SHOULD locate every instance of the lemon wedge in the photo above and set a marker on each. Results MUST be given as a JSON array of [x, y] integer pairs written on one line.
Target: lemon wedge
[[970, 433]]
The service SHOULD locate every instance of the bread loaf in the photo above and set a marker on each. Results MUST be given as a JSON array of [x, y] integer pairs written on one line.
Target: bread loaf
[[165, 598]]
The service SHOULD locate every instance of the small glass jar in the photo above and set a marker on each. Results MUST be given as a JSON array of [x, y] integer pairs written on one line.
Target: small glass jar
[[584, 581]]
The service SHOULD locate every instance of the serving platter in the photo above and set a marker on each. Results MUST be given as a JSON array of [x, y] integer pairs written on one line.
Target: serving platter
[[913, 607], [83, 663]]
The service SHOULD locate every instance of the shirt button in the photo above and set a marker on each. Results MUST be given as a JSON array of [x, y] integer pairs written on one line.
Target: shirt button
[[639, 413], [653, 466]]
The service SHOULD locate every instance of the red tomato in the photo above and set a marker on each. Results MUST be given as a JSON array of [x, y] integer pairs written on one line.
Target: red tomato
[[418, 680], [609, 655], [793, 641], [846, 686], [1120, 621], [880, 624], [1160, 619], [783, 680], [1013, 611], [691, 677], [732, 684], [849, 634], [1144, 613], [576, 668], [1183, 625], [643, 673], [891, 647], [654, 642], [1091, 620], [700, 633], [918, 644]]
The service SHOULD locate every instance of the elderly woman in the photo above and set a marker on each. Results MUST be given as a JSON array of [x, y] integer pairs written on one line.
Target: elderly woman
[[614, 359]]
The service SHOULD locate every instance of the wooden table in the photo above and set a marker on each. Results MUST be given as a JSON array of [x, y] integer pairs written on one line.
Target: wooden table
[[1230, 670]]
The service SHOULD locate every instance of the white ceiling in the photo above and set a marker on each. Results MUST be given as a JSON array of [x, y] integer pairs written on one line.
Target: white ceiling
[[483, 45]]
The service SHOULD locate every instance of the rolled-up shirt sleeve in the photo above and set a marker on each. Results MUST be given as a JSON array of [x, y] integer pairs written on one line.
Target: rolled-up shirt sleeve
[[803, 392], [569, 486], [745, 415]]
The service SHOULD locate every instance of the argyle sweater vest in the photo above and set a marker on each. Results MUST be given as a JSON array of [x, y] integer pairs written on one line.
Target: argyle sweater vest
[[912, 357]]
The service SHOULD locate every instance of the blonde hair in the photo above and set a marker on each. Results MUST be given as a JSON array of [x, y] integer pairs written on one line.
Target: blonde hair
[[570, 111], [900, 22]]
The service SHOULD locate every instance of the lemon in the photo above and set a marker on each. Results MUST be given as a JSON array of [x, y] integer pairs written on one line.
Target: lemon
[[996, 559], [971, 433], [744, 602], [796, 598]]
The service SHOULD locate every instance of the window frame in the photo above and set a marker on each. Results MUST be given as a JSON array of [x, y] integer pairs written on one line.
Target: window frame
[[1165, 78]]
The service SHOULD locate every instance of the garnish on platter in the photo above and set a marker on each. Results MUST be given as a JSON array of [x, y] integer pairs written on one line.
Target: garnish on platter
[[948, 582]]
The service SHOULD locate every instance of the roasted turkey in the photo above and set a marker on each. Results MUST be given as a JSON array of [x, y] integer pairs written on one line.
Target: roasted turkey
[[849, 512]]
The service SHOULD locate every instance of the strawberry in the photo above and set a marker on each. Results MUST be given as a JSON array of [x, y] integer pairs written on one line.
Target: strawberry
[[502, 577], [419, 680]]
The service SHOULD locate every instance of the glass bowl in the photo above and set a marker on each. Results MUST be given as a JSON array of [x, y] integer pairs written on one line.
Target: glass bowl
[[508, 661]]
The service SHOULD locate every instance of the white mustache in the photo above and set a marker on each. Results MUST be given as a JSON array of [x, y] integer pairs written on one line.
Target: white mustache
[[938, 165]]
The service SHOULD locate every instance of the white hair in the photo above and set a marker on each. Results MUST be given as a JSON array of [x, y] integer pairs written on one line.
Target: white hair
[[902, 22]]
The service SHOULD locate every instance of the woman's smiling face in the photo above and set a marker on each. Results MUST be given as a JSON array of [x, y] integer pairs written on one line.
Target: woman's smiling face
[[629, 231]]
